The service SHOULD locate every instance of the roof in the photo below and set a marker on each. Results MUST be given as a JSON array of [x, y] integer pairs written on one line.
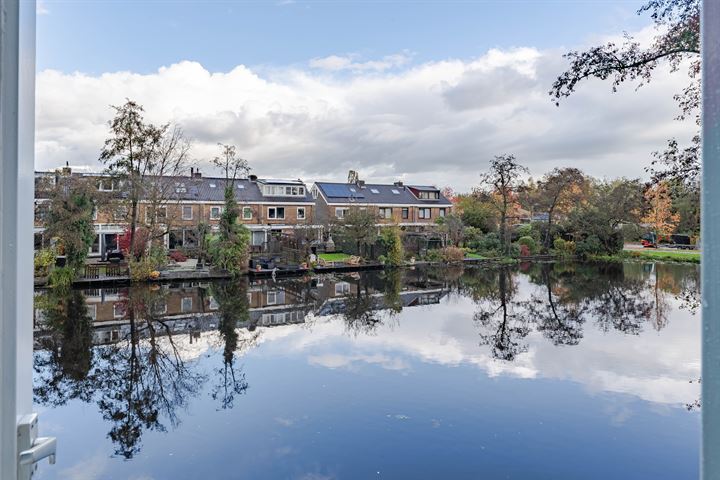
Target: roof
[[376, 193], [212, 189]]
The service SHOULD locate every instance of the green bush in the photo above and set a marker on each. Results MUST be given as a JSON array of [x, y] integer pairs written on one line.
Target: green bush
[[529, 242], [433, 255], [589, 246], [229, 255], [488, 245], [62, 277], [390, 238], [564, 247], [44, 260]]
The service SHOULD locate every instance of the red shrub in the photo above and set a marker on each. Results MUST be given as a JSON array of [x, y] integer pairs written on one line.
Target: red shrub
[[178, 256]]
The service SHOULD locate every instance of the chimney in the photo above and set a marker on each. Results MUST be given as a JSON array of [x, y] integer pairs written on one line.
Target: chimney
[[192, 172], [398, 184], [361, 183], [66, 170], [253, 178], [196, 173]]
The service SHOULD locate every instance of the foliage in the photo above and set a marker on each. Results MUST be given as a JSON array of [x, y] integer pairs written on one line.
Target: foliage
[[500, 184], [589, 246], [558, 192], [44, 260], [157, 256], [360, 227], [70, 219], [230, 255], [62, 277], [140, 242], [659, 214], [528, 242], [475, 212], [452, 226], [677, 43], [178, 256], [564, 247], [452, 254], [141, 270], [489, 244], [434, 255], [525, 251], [391, 240]]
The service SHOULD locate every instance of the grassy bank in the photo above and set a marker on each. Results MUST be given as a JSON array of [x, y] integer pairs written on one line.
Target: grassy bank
[[685, 257]]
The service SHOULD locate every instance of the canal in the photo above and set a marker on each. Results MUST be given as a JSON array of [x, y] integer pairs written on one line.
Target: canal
[[536, 371]]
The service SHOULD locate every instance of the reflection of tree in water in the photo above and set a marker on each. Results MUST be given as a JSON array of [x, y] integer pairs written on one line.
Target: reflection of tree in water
[[135, 381], [360, 312], [234, 309], [63, 366], [393, 284], [559, 319], [144, 376], [502, 328]]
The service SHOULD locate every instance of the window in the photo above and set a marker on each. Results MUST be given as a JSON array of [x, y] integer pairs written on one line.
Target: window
[[240, 186], [94, 214], [441, 212], [276, 213], [301, 213], [423, 213], [41, 211], [405, 213], [213, 185], [180, 188], [341, 212], [187, 212], [385, 212], [215, 213], [395, 191], [119, 310], [186, 304], [342, 288], [272, 297], [247, 213], [283, 190], [429, 195], [92, 312], [375, 190], [190, 238], [107, 185], [160, 213], [120, 213]]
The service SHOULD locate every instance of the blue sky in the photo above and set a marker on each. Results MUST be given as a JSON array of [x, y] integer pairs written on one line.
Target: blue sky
[[414, 91], [140, 36]]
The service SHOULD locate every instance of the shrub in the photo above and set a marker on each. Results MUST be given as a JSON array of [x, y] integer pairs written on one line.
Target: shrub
[[452, 254], [526, 230], [229, 255], [62, 277], [178, 256], [433, 255], [563, 247], [157, 256], [488, 245], [141, 270], [392, 241], [44, 260], [528, 242], [524, 251], [589, 246]]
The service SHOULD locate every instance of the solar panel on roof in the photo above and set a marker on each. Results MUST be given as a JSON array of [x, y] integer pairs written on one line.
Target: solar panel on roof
[[341, 191]]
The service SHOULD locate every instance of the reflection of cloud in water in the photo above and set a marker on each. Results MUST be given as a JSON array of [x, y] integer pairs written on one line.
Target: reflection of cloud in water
[[653, 366]]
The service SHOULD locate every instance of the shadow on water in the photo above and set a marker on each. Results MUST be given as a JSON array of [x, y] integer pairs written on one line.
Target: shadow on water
[[132, 351]]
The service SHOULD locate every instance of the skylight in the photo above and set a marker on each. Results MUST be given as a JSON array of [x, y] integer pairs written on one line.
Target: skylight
[[240, 185], [395, 192], [374, 190], [212, 185], [352, 189]]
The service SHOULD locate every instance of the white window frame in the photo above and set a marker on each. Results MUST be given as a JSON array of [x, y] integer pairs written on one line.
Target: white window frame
[[343, 290], [276, 217], [386, 213], [421, 213], [299, 216], [219, 210], [121, 313], [184, 308], [340, 212], [183, 212], [442, 212]]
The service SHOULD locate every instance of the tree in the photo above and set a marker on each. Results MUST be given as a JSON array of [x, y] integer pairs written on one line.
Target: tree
[[500, 184], [558, 192], [130, 153], [391, 239], [70, 219], [677, 41], [230, 249], [360, 227], [659, 214], [452, 226], [476, 211]]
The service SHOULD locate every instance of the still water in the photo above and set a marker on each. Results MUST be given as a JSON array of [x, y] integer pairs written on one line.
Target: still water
[[542, 371]]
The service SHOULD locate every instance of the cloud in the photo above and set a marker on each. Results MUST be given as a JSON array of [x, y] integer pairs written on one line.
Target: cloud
[[434, 122], [337, 63], [41, 8]]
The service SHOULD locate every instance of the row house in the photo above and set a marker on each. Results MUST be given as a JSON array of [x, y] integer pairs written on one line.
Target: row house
[[180, 204], [399, 204]]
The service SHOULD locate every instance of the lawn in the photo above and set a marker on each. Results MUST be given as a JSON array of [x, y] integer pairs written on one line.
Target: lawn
[[475, 256], [679, 256], [334, 257]]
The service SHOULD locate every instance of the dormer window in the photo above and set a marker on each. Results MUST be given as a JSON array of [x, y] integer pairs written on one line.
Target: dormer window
[[283, 191], [107, 185], [428, 195]]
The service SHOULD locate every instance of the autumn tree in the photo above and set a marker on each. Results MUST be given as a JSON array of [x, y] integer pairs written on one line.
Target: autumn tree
[[130, 154], [500, 184], [558, 192], [677, 44], [360, 227], [659, 214]]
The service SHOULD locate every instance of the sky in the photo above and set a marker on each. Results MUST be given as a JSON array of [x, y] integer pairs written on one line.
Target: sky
[[424, 91]]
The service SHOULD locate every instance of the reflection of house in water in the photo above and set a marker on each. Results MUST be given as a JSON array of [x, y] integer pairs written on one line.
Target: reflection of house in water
[[191, 308]]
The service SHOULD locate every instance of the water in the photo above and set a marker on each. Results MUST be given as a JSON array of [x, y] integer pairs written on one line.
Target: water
[[543, 371]]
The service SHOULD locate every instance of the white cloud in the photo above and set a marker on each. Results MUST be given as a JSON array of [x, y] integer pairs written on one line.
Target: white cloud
[[434, 122]]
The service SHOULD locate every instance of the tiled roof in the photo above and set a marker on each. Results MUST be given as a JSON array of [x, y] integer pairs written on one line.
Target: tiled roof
[[376, 193]]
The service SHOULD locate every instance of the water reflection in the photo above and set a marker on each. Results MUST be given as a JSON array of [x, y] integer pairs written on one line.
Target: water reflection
[[133, 352]]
